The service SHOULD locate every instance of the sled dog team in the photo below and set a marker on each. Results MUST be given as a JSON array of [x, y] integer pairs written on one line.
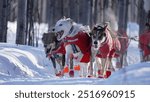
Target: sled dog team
[[77, 49]]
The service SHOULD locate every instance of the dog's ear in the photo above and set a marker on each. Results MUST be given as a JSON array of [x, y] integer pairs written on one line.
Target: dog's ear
[[64, 17], [95, 28], [69, 20], [105, 27]]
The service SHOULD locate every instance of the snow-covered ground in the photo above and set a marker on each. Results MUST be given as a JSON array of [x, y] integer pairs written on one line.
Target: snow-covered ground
[[20, 64]]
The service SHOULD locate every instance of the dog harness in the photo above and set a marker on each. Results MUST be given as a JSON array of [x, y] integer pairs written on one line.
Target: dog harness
[[60, 49], [107, 48]]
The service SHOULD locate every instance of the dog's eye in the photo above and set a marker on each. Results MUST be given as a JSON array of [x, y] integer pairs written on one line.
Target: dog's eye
[[100, 37], [94, 36], [60, 24]]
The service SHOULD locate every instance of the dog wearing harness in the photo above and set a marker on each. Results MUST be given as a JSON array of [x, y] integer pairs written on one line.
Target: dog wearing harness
[[104, 48], [54, 50], [77, 43]]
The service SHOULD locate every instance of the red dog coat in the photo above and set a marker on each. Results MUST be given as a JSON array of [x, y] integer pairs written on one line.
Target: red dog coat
[[109, 47], [83, 41], [60, 49], [144, 40]]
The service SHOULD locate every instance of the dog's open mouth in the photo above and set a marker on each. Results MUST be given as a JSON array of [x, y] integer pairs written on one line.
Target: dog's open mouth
[[59, 34]]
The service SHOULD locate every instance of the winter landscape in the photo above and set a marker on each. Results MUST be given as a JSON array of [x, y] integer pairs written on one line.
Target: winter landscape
[[21, 65]]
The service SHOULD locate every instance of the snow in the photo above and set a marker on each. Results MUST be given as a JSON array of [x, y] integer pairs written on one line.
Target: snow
[[133, 55], [26, 65]]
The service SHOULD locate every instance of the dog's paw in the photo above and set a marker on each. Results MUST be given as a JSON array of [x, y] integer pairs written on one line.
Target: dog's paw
[[71, 73]]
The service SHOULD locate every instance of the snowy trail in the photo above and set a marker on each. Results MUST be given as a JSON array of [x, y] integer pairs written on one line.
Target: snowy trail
[[21, 65], [54, 81], [137, 74]]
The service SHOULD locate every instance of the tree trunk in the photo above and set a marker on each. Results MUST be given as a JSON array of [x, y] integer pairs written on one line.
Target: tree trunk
[[21, 22], [44, 6], [30, 22], [50, 13], [122, 26], [74, 10], [3, 20], [58, 11], [66, 10], [141, 22], [142, 16], [123, 14]]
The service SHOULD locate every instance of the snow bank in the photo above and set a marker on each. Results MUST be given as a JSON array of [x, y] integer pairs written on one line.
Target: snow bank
[[18, 61], [133, 74]]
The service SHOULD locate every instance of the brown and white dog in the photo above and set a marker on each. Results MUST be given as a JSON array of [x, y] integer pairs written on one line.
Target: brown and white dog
[[51, 44], [103, 48]]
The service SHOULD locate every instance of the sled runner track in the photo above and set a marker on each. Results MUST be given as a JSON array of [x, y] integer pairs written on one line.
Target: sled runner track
[[16, 62]]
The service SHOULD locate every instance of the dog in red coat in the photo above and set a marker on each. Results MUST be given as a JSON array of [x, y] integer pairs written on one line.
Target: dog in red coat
[[54, 50], [77, 43], [144, 44], [104, 48]]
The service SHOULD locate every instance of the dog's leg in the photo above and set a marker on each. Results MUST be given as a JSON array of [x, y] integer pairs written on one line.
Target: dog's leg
[[90, 66], [69, 61], [148, 58], [71, 72], [93, 59], [81, 70], [98, 63], [68, 54], [63, 62], [59, 59], [105, 65], [54, 64], [102, 68], [111, 67], [84, 69]]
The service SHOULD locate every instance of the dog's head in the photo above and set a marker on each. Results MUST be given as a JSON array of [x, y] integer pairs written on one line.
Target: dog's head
[[98, 35], [63, 27], [49, 41]]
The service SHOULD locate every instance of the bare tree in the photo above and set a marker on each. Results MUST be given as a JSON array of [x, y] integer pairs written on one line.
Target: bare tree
[[50, 13], [74, 10], [84, 11], [3, 19], [141, 16], [122, 26], [13, 10], [141, 21], [21, 22], [30, 23]]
